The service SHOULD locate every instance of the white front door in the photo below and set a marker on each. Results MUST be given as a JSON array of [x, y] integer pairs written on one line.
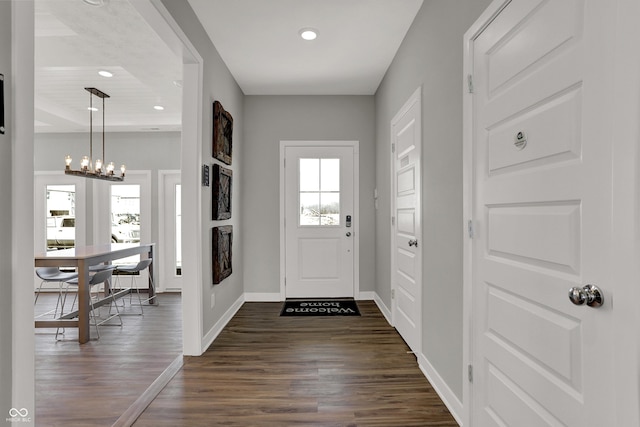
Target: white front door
[[319, 221], [406, 257], [542, 217]]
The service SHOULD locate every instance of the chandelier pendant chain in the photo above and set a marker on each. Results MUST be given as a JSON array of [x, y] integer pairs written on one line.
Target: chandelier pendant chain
[[91, 129]]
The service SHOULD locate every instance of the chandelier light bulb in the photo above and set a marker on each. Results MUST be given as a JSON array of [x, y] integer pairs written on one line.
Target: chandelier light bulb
[[67, 161], [123, 169], [84, 164], [110, 168], [99, 166]]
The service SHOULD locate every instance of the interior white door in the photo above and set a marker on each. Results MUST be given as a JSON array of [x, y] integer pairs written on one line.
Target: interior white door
[[319, 218], [542, 186], [406, 264]]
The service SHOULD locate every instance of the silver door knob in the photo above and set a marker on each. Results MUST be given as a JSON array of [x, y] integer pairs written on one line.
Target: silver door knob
[[413, 242], [589, 294], [348, 234]]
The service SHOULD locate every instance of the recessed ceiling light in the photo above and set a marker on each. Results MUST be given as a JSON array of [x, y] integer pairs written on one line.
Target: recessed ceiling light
[[309, 33], [158, 107], [105, 73], [92, 109]]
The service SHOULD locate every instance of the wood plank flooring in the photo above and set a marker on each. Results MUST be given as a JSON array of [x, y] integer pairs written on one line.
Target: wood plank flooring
[[267, 370], [94, 383]]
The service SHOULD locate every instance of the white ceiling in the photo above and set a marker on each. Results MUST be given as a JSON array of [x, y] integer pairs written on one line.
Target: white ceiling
[[259, 42], [257, 39], [74, 41]]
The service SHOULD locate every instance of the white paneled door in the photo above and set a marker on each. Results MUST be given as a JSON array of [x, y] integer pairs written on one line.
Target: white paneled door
[[406, 257], [319, 221], [541, 217]]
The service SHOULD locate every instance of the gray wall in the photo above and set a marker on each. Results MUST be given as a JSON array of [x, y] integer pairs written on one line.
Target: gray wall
[[5, 217], [431, 56], [218, 85], [270, 119], [151, 151]]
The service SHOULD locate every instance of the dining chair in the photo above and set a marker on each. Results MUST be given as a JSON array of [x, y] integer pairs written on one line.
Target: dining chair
[[134, 270], [53, 275], [95, 280]]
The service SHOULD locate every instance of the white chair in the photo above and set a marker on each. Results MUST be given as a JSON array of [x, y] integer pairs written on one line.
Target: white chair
[[134, 270], [98, 278], [53, 275]]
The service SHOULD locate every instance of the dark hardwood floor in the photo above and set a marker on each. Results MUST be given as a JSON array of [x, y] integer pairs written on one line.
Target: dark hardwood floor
[[94, 383], [263, 370], [267, 370]]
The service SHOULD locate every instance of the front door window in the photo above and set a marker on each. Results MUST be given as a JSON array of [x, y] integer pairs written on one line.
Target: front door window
[[319, 192]]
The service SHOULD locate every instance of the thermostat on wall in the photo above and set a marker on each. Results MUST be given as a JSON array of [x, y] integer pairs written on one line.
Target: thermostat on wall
[[205, 175]]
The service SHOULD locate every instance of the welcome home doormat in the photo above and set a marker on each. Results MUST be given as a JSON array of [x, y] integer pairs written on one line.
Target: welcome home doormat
[[320, 308]]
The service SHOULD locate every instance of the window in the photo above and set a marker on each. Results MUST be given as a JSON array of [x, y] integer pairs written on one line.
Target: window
[[125, 213], [125, 217], [319, 194], [61, 212], [178, 236]]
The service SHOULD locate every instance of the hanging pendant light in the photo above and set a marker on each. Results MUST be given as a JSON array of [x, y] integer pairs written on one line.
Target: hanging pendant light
[[87, 168]]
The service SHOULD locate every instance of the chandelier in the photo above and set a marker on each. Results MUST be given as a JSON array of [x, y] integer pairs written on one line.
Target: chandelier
[[87, 168]]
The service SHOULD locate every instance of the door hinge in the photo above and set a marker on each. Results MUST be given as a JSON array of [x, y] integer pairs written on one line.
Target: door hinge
[[470, 83], [393, 147], [470, 373], [393, 220], [470, 229], [393, 294]]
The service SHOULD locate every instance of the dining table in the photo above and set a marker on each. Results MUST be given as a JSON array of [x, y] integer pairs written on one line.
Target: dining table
[[81, 258]]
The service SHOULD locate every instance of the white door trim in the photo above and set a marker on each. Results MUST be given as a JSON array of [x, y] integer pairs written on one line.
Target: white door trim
[[356, 208], [467, 200], [626, 214], [414, 99], [157, 15]]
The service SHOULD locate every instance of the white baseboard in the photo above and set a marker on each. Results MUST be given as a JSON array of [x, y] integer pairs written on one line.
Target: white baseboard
[[446, 394], [220, 324], [439, 385], [262, 297], [383, 308], [275, 296]]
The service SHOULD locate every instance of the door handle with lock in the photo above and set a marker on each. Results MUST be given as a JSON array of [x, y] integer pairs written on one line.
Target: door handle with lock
[[413, 242], [589, 294]]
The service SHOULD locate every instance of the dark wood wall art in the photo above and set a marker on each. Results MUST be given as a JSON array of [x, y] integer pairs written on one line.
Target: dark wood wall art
[[222, 133], [221, 193], [221, 253]]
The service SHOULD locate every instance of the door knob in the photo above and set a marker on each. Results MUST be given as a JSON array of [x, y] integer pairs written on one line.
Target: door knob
[[348, 234], [589, 294], [413, 242]]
